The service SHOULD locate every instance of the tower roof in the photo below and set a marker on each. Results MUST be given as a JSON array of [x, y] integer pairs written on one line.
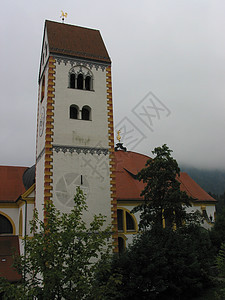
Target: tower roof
[[76, 41]]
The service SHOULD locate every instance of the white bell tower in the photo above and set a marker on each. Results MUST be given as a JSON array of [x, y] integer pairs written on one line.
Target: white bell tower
[[75, 143]]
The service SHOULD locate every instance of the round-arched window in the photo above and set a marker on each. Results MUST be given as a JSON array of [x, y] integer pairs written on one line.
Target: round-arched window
[[5, 225]]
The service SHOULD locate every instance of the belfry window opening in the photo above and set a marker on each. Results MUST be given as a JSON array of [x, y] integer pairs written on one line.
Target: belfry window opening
[[81, 79]]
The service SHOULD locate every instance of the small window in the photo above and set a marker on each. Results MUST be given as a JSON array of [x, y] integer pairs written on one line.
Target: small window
[[120, 219], [72, 81], [80, 82], [5, 225], [125, 221], [86, 113], [129, 222], [43, 88], [81, 79], [73, 112], [46, 49], [88, 83]]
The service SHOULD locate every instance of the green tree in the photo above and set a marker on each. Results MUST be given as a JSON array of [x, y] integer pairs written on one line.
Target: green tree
[[165, 264], [217, 232], [162, 196], [61, 258]]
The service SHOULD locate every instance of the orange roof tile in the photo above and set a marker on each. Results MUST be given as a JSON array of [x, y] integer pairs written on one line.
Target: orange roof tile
[[128, 164], [11, 183], [76, 41], [193, 189], [126, 186], [9, 245]]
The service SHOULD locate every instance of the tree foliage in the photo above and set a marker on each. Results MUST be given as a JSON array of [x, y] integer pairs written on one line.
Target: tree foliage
[[165, 264], [217, 233], [61, 258], [171, 256], [163, 199]]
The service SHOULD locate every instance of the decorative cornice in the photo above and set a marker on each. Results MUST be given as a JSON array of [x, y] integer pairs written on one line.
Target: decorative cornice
[[80, 62], [77, 149]]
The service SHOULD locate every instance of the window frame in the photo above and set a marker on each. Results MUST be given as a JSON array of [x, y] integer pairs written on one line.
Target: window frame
[[11, 222], [124, 221], [87, 78]]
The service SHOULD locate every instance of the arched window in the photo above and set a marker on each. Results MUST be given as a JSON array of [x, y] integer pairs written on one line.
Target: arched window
[[126, 221], [80, 82], [74, 112], [129, 222], [5, 225], [43, 88], [86, 113], [80, 77], [120, 219], [88, 83], [72, 81]]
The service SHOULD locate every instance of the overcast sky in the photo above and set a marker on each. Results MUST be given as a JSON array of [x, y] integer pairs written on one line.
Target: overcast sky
[[168, 62]]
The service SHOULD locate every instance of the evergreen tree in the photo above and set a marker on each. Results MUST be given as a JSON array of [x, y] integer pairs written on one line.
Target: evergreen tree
[[164, 204]]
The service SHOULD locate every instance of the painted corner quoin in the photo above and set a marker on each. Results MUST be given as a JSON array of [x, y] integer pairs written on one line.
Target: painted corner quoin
[[49, 133], [112, 159]]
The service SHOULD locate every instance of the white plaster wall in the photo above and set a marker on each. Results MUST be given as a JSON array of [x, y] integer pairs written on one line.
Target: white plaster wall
[[41, 139], [44, 54], [30, 214], [96, 187], [72, 132], [39, 201]]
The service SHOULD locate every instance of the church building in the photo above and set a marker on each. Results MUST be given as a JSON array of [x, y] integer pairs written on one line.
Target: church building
[[75, 147]]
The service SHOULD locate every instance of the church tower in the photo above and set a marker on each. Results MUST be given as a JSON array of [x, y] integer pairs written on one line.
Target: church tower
[[75, 143]]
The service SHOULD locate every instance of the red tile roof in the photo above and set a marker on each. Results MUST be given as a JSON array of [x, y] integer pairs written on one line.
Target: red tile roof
[[128, 188], [11, 183], [76, 41], [9, 245], [193, 189]]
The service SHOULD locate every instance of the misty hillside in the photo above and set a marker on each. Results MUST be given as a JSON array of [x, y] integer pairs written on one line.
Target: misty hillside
[[210, 180]]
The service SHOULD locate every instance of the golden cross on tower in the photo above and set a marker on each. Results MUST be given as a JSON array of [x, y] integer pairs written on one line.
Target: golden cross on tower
[[63, 15]]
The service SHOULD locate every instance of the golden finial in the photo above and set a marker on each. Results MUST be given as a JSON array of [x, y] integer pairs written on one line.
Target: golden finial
[[118, 136], [63, 15]]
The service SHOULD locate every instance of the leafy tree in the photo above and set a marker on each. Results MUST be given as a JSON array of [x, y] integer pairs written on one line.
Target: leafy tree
[[61, 258], [166, 260], [165, 264], [162, 195]]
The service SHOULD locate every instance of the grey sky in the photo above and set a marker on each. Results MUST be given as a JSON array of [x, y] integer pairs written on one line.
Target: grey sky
[[172, 48]]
